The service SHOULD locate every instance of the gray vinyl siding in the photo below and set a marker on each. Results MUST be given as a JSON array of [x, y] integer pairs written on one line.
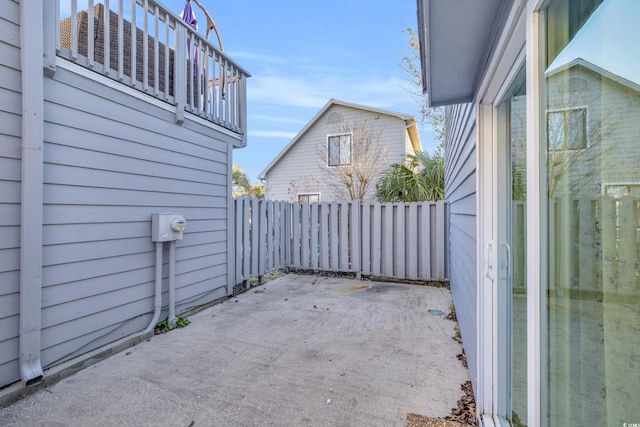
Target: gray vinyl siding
[[10, 169], [111, 161], [460, 189], [299, 170]]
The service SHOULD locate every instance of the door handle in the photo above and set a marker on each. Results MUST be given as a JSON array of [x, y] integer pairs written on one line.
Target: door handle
[[508, 258]]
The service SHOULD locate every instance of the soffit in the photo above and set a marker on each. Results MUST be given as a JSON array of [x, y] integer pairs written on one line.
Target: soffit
[[456, 41]]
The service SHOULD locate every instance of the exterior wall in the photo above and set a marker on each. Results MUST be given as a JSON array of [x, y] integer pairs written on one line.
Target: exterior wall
[[460, 191], [10, 169], [299, 170], [112, 159], [110, 162]]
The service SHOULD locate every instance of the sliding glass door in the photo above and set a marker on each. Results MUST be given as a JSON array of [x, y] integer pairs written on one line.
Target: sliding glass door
[[512, 289], [591, 120]]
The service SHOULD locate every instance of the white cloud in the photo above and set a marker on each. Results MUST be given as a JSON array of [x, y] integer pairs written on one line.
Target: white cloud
[[271, 133], [278, 119], [313, 91], [273, 59]]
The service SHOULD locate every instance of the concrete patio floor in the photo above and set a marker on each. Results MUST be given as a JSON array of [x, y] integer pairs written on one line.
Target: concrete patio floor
[[298, 351]]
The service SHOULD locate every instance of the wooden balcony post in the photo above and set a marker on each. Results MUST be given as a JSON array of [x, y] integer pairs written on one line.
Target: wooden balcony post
[[179, 71], [51, 37], [242, 106]]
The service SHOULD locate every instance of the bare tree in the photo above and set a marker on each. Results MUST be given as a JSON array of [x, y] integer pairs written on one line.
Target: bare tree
[[305, 184], [351, 160], [564, 174], [410, 64]]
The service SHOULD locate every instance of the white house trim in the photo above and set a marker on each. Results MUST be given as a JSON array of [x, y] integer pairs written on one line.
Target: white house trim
[[536, 205], [493, 377]]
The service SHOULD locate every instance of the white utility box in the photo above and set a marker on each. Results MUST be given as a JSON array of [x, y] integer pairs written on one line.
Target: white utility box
[[167, 226]]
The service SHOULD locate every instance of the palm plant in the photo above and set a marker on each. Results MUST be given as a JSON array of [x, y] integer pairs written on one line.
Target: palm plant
[[420, 178]]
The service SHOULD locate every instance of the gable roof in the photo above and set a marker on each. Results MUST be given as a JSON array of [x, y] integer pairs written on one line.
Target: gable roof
[[606, 44], [409, 120]]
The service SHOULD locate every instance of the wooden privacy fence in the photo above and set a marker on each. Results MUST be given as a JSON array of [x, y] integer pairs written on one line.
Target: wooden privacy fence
[[393, 240], [594, 244]]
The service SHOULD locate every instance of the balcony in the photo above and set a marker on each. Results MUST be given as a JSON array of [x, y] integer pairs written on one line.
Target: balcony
[[167, 59]]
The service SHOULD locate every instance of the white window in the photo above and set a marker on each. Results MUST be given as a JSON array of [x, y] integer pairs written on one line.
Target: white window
[[308, 197], [339, 150], [567, 129]]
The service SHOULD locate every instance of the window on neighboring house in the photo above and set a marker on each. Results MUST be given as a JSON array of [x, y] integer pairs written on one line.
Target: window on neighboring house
[[339, 150], [567, 129], [308, 197]]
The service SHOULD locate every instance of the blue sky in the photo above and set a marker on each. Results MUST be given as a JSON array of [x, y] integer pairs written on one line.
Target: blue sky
[[302, 53]]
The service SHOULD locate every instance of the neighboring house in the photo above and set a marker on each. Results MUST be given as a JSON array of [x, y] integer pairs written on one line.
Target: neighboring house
[[88, 154], [340, 139], [543, 183]]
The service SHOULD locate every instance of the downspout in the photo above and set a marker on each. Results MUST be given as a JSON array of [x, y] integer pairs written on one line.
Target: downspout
[[158, 290], [31, 216]]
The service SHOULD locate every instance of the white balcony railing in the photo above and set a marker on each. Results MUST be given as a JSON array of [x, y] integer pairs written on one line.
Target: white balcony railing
[[166, 58]]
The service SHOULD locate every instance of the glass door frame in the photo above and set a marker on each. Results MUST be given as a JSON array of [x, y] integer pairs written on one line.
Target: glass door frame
[[494, 336], [519, 45]]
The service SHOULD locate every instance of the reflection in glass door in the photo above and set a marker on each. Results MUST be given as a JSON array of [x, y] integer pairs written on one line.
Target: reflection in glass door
[[591, 125], [512, 287]]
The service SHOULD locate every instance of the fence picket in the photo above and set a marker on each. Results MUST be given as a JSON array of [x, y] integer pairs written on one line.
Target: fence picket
[[255, 235], [387, 242], [365, 238], [354, 233], [628, 258], [376, 239], [323, 219], [296, 224], [312, 236], [246, 253], [399, 241], [343, 242], [586, 250], [239, 204], [262, 239], [425, 240], [411, 237]]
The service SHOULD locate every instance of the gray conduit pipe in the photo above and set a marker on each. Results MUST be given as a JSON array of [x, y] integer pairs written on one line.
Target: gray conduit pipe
[[158, 299], [172, 284]]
